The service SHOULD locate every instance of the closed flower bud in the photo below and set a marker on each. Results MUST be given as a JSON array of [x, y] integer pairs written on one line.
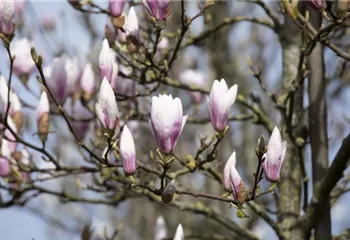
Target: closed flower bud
[[106, 107], [23, 63], [233, 180], [116, 7], [179, 234], [317, 4], [105, 62], [87, 82], [7, 14], [167, 121], [160, 231], [159, 9], [131, 25], [168, 192], [3, 95], [219, 102], [227, 171], [43, 117], [127, 152], [16, 110], [274, 157]]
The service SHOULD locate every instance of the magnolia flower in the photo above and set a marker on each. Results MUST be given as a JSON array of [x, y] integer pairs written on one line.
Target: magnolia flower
[[232, 179], [179, 234], [87, 82], [4, 167], [163, 44], [274, 157], [159, 9], [116, 7], [42, 117], [4, 158], [81, 114], [106, 107], [167, 121], [115, 70], [73, 74], [26, 158], [48, 23], [160, 231], [131, 25], [105, 61], [7, 14], [56, 78], [3, 94], [227, 171], [16, 110], [19, 7], [316, 4], [127, 151], [12, 144], [219, 102], [194, 78], [23, 63]]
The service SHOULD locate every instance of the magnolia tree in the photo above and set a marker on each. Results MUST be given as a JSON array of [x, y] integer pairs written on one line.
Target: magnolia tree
[[169, 127]]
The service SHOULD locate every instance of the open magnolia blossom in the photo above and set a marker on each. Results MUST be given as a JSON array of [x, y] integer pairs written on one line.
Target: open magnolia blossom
[[159, 9], [167, 121], [220, 100], [179, 234], [106, 107], [127, 151], [116, 7], [7, 14], [274, 156], [23, 63], [160, 231], [105, 61]]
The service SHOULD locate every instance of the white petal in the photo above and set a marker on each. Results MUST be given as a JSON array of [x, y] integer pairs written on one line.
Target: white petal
[[127, 145], [131, 22], [43, 106], [160, 229], [88, 79], [274, 147], [179, 235]]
